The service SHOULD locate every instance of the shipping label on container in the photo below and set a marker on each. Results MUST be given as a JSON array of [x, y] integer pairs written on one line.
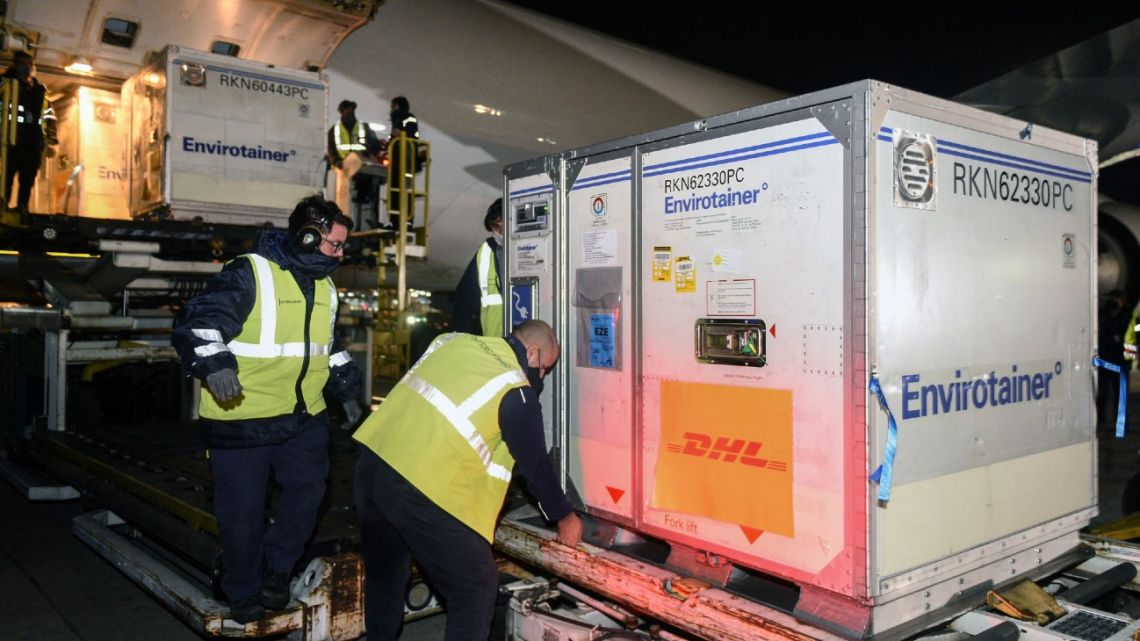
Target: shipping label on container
[[727, 455]]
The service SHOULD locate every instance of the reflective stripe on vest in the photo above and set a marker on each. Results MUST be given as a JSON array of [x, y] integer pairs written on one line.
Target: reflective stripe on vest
[[439, 427], [270, 369], [404, 125], [460, 415], [346, 142], [490, 299]]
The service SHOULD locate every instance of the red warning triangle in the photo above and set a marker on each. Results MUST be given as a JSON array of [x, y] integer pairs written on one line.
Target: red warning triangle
[[773, 330], [751, 533], [615, 493]]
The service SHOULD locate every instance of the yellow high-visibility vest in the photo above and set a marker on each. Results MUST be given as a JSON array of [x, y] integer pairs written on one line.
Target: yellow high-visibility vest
[[346, 142], [490, 299], [271, 348], [439, 427]]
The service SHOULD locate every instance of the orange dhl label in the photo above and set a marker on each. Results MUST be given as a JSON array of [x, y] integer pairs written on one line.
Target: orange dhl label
[[727, 450]]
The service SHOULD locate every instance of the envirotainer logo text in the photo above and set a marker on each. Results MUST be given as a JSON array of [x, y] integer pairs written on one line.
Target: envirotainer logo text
[[219, 148], [921, 398]]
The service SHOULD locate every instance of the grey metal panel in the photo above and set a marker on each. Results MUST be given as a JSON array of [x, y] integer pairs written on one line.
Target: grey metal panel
[[723, 120]]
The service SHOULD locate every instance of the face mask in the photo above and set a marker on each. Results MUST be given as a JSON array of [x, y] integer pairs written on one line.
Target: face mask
[[316, 264], [534, 377], [498, 236], [22, 71]]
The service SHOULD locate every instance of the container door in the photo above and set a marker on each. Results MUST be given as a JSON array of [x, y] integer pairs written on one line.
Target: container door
[[143, 98], [744, 264], [598, 347], [529, 219]]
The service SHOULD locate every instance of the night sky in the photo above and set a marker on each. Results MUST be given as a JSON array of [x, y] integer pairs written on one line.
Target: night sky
[[940, 48]]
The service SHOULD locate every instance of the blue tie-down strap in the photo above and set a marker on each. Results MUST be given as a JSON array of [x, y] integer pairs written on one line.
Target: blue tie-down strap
[[1122, 406], [883, 474]]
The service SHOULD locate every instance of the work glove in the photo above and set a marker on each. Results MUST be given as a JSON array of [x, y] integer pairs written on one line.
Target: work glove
[[224, 385], [352, 413]]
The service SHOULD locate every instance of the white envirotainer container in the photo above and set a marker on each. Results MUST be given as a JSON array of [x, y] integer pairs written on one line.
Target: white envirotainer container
[[227, 140], [729, 295]]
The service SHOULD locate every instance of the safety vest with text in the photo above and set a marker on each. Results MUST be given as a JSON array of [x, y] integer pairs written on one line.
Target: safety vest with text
[[490, 299], [347, 142], [439, 428], [271, 348]]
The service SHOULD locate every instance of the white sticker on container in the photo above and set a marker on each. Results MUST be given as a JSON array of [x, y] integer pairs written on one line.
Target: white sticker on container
[[735, 297], [726, 261], [531, 256], [600, 247]]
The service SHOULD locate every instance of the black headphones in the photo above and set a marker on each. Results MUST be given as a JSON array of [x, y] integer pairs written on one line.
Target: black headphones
[[312, 220], [310, 235]]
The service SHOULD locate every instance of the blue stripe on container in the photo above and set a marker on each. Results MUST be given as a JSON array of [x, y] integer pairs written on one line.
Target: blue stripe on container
[[626, 172], [730, 152], [782, 150], [994, 161], [600, 183], [532, 190], [1027, 161]]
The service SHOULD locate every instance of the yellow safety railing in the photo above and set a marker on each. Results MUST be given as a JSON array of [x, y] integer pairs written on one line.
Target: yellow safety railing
[[408, 201]]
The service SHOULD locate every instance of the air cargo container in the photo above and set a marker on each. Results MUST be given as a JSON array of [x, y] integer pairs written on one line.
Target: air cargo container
[[87, 175], [230, 141], [842, 341]]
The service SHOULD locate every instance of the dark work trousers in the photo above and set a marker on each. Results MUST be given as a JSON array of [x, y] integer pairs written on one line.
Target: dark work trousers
[[398, 523], [241, 477], [25, 161]]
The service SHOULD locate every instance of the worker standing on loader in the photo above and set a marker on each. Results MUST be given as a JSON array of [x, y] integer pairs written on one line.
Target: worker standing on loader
[[346, 137], [260, 337], [29, 129]]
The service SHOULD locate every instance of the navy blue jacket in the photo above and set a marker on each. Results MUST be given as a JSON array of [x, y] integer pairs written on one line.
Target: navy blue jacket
[[520, 422], [225, 306]]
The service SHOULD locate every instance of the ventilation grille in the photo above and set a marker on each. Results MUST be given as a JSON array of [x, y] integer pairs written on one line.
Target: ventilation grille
[[914, 171]]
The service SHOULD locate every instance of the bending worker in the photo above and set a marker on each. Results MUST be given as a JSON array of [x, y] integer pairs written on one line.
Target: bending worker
[[433, 474], [260, 337], [478, 305]]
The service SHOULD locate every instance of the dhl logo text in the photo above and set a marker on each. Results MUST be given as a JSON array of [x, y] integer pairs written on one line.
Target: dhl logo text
[[728, 450]]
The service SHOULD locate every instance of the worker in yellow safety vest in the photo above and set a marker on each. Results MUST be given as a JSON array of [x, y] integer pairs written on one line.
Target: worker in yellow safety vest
[[349, 135], [28, 127], [260, 338], [478, 307], [434, 470]]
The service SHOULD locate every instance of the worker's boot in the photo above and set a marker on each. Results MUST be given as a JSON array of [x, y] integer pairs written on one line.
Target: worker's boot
[[246, 610], [275, 590]]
